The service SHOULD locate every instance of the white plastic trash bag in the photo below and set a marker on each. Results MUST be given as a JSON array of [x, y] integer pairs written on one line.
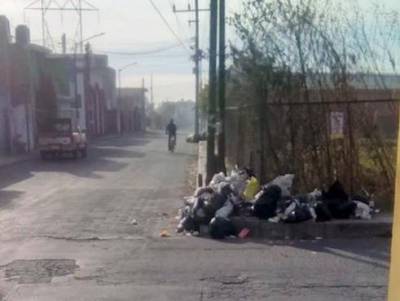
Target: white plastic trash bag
[[217, 178], [363, 211], [285, 183], [238, 179]]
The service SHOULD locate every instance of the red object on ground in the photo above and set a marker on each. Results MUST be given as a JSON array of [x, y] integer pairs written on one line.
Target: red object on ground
[[244, 233]]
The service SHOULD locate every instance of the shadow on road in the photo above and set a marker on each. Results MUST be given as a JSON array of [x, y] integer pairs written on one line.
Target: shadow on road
[[126, 140], [6, 198], [375, 252], [103, 156]]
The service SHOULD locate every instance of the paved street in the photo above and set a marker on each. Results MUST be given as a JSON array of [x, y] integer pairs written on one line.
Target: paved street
[[68, 232]]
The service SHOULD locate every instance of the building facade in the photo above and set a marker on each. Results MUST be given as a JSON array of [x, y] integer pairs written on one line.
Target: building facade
[[37, 85], [132, 107]]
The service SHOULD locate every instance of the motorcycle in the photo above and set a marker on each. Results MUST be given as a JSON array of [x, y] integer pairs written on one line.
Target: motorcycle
[[172, 144]]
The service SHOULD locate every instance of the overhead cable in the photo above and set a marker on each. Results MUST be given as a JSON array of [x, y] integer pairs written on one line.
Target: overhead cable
[[168, 26]]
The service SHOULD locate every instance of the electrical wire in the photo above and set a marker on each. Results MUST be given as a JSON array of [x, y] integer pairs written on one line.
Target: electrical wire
[[178, 22], [138, 53], [168, 26]]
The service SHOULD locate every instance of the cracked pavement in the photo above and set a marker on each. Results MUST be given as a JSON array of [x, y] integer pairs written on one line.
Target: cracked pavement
[[67, 234]]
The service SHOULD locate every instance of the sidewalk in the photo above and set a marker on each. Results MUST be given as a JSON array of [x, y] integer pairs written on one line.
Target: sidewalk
[[9, 160], [379, 226]]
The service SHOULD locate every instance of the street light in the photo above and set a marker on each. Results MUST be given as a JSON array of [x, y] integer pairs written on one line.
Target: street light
[[76, 73], [119, 94]]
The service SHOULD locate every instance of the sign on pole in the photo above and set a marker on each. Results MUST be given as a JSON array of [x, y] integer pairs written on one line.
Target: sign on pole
[[337, 125]]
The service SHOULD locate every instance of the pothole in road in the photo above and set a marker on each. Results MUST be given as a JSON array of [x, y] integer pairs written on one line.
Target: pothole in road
[[38, 270]]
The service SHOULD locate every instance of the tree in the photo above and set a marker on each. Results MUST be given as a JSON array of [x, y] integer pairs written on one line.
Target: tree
[[307, 51]]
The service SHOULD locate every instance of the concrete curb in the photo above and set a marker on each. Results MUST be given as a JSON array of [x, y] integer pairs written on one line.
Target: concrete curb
[[381, 226]]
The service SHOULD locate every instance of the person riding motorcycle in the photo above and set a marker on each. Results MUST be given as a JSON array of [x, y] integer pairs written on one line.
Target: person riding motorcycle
[[171, 132]]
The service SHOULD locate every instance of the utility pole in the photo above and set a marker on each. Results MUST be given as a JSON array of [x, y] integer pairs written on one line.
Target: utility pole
[[197, 57], [86, 91], [221, 88], [211, 160], [64, 43]]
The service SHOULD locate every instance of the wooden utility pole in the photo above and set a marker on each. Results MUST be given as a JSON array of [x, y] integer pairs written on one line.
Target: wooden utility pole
[[221, 87], [211, 159], [197, 59]]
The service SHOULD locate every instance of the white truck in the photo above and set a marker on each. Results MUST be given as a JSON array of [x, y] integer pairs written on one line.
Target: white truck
[[60, 138]]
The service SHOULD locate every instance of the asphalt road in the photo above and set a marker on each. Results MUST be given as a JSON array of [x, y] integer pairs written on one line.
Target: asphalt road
[[89, 230]]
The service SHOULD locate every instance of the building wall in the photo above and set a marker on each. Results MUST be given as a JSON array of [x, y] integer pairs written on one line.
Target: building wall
[[95, 92], [4, 85], [21, 111], [17, 95], [132, 107]]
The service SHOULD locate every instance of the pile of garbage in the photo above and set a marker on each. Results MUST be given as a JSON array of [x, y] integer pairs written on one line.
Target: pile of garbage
[[240, 194]]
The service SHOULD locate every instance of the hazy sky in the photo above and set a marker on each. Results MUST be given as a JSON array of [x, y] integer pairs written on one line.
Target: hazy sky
[[133, 26]]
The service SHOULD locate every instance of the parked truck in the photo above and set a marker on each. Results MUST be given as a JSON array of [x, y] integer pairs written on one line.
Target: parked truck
[[60, 138]]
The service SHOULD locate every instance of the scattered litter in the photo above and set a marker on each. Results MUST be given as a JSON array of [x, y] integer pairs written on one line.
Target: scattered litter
[[211, 208], [221, 228], [134, 222], [363, 211], [252, 188], [165, 233], [244, 233]]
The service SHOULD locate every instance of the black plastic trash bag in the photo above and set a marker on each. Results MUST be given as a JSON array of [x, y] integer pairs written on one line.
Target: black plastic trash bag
[[294, 211], [200, 213], [188, 224], [322, 212], [341, 209], [335, 192], [215, 203], [219, 228], [338, 203], [298, 215], [266, 202]]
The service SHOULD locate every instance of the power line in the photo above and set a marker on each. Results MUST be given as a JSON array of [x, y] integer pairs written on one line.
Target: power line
[[147, 52], [168, 26], [47, 6]]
